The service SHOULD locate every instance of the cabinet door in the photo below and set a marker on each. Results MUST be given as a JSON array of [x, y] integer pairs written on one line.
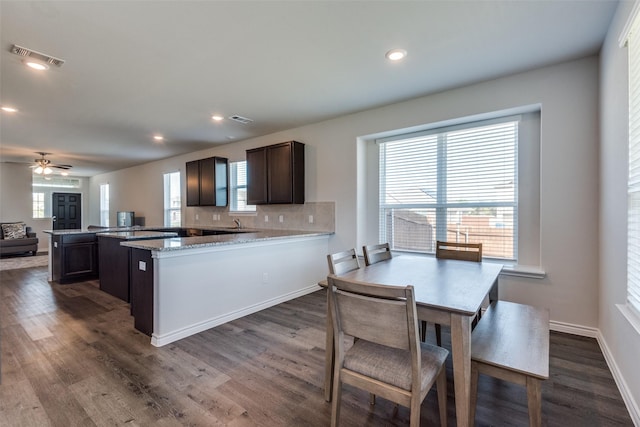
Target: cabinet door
[[221, 184], [193, 183], [207, 182], [257, 176], [280, 173]]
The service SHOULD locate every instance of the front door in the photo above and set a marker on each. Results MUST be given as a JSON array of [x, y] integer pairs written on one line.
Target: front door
[[66, 211]]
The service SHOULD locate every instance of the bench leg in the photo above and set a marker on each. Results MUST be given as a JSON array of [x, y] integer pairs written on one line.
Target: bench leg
[[534, 399]]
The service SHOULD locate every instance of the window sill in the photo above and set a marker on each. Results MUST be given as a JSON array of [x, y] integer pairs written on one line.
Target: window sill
[[631, 315], [527, 271]]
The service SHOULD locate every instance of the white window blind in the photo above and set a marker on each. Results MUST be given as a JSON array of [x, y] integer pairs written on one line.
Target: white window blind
[[104, 205], [238, 172], [454, 184], [633, 194], [172, 200]]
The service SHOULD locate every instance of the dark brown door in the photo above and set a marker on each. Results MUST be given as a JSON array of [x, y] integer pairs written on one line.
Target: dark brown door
[[66, 209]]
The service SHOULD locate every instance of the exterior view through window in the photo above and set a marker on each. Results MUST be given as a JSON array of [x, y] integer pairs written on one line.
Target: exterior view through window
[[457, 184]]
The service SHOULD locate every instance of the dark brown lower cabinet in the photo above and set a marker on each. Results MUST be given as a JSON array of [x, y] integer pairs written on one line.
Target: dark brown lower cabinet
[[141, 280], [75, 257], [114, 277]]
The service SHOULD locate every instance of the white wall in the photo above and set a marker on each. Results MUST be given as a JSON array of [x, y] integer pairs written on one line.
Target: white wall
[[620, 340]]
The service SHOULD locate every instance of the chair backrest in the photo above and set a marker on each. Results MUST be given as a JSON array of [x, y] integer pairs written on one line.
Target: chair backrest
[[380, 314], [376, 253], [343, 262], [459, 251]]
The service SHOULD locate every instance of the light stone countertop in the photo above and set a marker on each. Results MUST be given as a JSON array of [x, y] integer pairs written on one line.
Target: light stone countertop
[[136, 235], [181, 243]]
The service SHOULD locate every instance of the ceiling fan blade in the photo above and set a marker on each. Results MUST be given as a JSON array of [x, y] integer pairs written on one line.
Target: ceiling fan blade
[[65, 167]]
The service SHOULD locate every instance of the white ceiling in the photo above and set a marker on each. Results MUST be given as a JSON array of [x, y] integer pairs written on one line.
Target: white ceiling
[[136, 68]]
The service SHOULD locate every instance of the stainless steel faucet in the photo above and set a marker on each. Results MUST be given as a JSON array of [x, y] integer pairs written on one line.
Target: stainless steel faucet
[[237, 221]]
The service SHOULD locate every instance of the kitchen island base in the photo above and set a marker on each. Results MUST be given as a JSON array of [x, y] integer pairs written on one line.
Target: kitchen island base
[[195, 289]]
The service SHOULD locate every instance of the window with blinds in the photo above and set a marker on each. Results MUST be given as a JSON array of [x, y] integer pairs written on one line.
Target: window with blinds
[[455, 184], [633, 192], [238, 191]]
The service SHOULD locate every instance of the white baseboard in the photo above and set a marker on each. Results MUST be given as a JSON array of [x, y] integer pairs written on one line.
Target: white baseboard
[[632, 406], [164, 339], [569, 328]]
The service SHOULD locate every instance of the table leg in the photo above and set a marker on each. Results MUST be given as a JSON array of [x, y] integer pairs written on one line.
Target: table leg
[[329, 358], [461, 355]]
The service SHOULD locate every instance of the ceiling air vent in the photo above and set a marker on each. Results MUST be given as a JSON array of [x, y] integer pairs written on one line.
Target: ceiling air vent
[[28, 53], [241, 119]]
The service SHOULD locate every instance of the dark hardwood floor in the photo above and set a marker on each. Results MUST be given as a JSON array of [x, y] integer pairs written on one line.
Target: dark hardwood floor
[[71, 357]]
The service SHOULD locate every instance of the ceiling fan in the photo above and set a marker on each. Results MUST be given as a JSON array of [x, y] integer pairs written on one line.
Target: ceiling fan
[[44, 166]]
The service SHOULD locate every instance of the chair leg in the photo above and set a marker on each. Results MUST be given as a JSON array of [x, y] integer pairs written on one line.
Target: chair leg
[[423, 331], [414, 420], [337, 397], [372, 399], [441, 385], [438, 334]]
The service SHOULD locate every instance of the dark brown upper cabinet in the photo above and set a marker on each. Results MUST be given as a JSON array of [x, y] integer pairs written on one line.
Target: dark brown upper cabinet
[[208, 182], [275, 174]]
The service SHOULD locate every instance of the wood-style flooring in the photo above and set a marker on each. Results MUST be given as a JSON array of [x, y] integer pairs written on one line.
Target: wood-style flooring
[[71, 357]]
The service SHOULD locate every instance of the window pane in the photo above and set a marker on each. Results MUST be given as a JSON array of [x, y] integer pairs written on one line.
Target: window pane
[[455, 184], [172, 200], [238, 191]]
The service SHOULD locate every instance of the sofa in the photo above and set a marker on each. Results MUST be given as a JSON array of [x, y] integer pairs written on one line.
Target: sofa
[[17, 238]]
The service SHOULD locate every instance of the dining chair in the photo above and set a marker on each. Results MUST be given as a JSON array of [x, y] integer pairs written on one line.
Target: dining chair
[[387, 360], [461, 252], [376, 253], [343, 262]]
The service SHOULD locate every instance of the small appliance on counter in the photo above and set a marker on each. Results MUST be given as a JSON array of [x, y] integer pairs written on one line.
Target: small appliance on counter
[[125, 219]]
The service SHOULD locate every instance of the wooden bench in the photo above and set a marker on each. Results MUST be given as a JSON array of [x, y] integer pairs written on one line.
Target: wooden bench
[[511, 342]]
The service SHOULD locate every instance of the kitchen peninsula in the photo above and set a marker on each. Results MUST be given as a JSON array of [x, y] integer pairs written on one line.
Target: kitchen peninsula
[[182, 286]]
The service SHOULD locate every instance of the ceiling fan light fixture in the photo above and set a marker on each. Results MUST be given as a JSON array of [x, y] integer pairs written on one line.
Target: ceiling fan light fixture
[[48, 170], [38, 170]]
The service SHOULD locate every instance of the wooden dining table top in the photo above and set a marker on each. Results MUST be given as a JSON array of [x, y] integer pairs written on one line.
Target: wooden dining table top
[[443, 284]]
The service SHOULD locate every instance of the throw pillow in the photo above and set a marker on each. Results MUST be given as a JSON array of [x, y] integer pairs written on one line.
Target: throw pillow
[[14, 231]]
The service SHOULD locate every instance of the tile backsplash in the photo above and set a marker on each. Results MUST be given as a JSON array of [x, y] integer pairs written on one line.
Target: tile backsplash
[[311, 216]]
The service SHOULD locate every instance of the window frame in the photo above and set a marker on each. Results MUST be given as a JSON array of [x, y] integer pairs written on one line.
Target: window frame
[[236, 204], [39, 211], [169, 197], [530, 116], [104, 204]]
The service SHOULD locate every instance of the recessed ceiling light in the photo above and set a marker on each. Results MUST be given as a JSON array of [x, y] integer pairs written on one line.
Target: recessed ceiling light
[[396, 54], [158, 137], [217, 117], [10, 109], [36, 65]]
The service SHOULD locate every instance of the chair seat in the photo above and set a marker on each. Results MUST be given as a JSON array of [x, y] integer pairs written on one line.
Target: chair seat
[[391, 365]]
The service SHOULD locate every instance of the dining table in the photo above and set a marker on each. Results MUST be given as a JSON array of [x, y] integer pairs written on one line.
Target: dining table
[[447, 292]]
